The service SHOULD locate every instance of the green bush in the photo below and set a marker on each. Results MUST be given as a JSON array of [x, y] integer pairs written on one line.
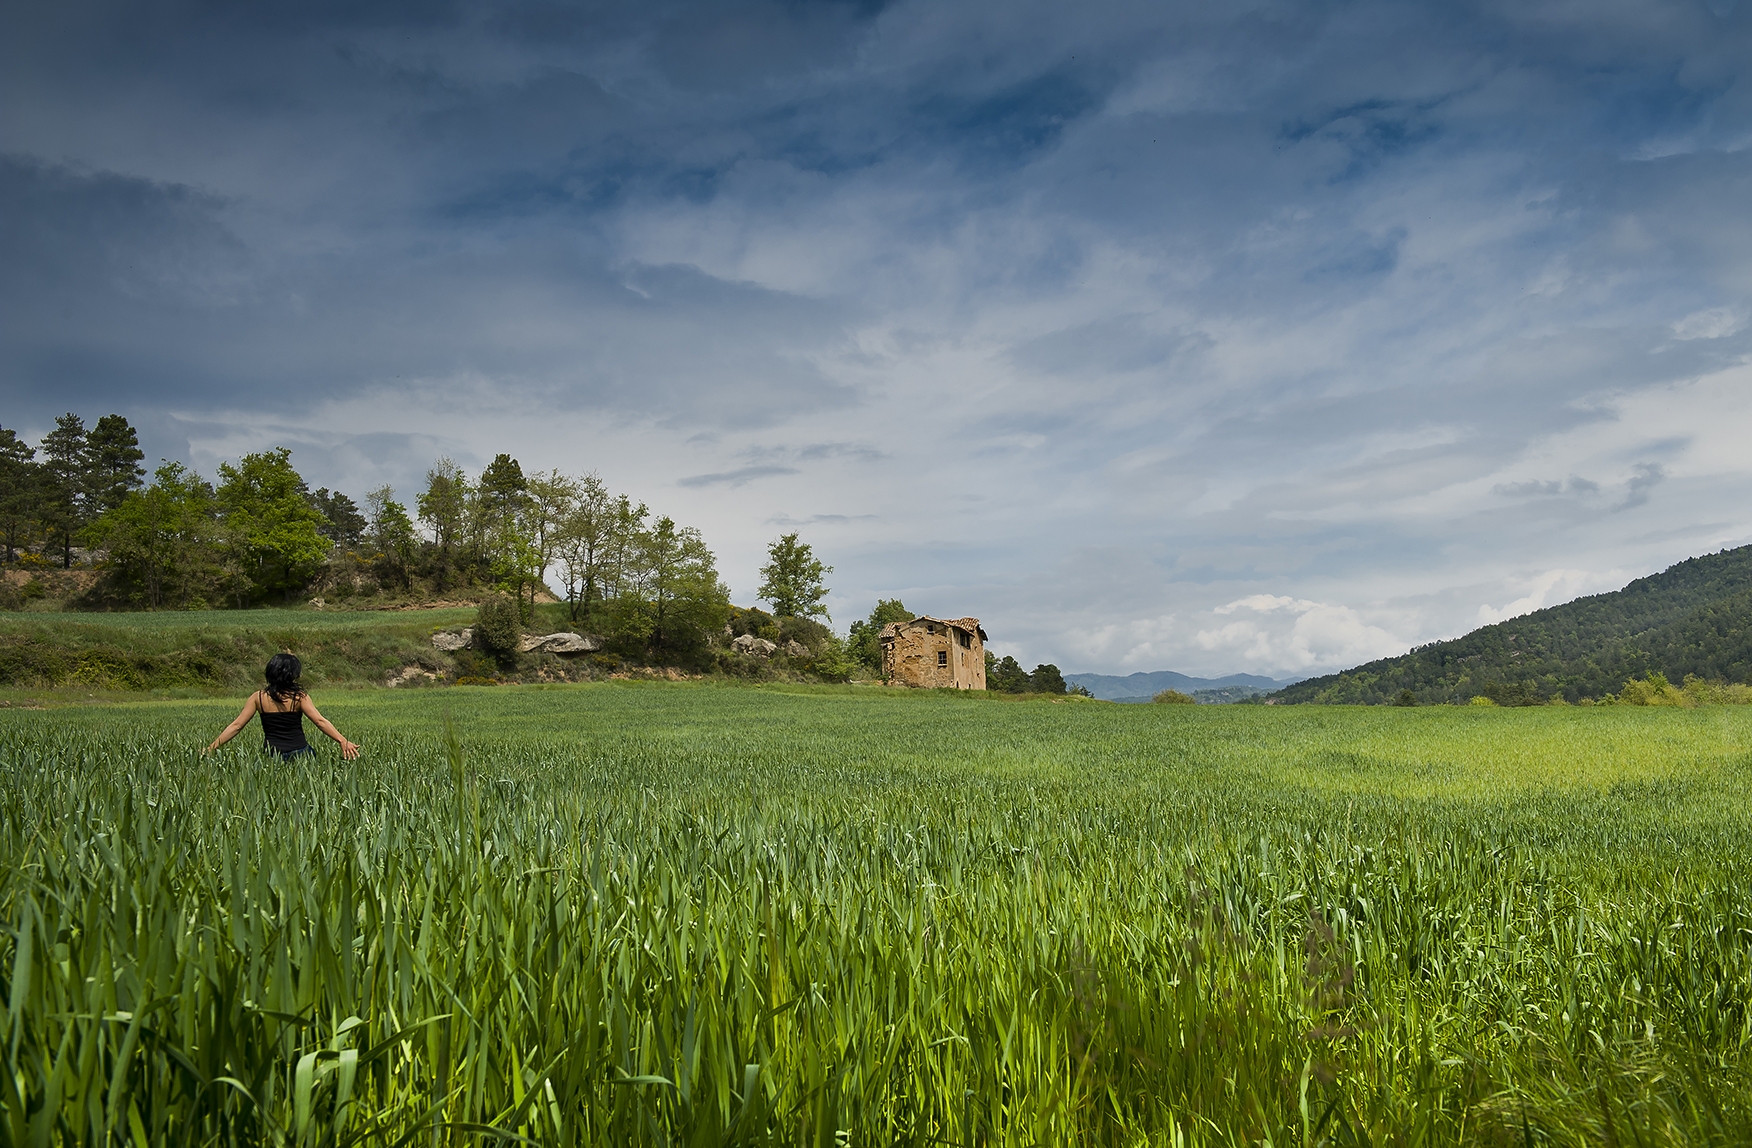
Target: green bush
[[498, 625], [1653, 690], [753, 620], [1174, 698], [832, 662], [807, 632]]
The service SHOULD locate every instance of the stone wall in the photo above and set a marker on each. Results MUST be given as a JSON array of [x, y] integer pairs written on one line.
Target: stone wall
[[930, 653]]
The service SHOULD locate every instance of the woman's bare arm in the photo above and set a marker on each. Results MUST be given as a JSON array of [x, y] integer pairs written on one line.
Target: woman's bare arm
[[236, 726], [348, 749]]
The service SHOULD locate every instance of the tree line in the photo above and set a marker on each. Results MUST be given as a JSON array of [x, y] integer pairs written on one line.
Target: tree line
[[47, 502], [258, 534]]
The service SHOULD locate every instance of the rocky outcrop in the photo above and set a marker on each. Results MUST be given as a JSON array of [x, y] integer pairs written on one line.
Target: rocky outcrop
[[796, 649], [749, 644], [450, 641], [559, 643]]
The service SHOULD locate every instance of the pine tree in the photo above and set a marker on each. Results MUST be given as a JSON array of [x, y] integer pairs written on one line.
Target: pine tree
[[63, 502], [342, 523], [113, 457], [20, 491]]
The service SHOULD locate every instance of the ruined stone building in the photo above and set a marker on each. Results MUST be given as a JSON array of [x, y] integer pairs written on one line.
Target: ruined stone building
[[934, 653]]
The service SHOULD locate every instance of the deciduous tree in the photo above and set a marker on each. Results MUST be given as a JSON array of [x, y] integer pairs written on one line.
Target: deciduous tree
[[271, 527], [550, 502], [391, 534], [791, 579], [161, 540], [582, 543], [863, 642], [444, 507], [677, 600]]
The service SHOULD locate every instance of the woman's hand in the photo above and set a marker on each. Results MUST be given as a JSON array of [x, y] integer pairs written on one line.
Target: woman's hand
[[236, 726], [349, 750]]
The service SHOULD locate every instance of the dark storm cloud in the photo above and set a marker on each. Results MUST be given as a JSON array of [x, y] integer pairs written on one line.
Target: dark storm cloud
[[1193, 305]]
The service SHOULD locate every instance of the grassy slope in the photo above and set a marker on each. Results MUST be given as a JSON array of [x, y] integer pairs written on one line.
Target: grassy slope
[[208, 649], [923, 917], [1693, 618]]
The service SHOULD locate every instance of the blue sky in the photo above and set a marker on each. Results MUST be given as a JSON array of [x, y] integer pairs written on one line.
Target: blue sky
[[1259, 337]]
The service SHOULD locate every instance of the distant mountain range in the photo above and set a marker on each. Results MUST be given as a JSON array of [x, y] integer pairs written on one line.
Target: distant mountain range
[[1692, 618], [1141, 687]]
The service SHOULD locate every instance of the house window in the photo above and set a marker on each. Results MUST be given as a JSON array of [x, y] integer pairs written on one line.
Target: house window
[[966, 642], [942, 657]]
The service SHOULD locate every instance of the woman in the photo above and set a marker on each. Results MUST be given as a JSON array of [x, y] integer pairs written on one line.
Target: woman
[[284, 705]]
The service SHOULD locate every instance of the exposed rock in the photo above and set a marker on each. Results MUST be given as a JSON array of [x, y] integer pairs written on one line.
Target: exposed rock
[[759, 647], [412, 675], [796, 649], [562, 643], [450, 641]]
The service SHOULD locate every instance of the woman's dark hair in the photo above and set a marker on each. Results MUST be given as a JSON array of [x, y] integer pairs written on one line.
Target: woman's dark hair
[[282, 674]]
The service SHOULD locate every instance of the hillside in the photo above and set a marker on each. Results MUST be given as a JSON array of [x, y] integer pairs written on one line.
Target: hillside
[[1692, 618], [1140, 687], [216, 649]]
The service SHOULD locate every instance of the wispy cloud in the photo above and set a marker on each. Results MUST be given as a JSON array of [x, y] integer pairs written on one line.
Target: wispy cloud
[[737, 477]]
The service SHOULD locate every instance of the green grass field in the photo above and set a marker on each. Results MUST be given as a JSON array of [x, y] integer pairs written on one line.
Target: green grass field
[[194, 651], [692, 914]]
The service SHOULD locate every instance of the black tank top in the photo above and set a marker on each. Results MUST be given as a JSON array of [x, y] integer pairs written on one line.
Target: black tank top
[[284, 731]]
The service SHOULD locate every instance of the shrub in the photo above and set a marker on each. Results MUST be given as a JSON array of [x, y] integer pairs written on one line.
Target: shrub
[[1653, 690], [1480, 700], [1717, 693], [498, 625], [1174, 698], [807, 632], [755, 621], [832, 662]]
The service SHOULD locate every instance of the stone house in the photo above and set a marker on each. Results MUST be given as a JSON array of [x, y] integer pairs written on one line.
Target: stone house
[[934, 653]]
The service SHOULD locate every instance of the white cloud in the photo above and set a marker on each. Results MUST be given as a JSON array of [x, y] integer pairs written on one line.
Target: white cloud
[[1297, 635], [1268, 603], [1547, 589], [1713, 323]]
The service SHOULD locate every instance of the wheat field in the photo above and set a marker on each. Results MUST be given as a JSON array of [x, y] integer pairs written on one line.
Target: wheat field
[[688, 915]]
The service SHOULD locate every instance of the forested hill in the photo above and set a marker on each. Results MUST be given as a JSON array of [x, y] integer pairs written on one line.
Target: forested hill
[[1692, 618]]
